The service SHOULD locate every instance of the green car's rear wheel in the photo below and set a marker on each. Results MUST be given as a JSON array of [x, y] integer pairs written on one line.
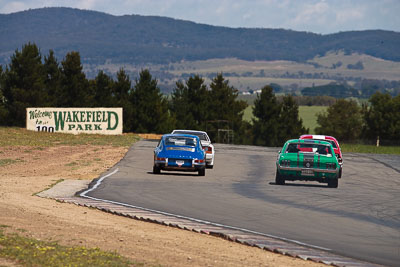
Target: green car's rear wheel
[[333, 183], [279, 179]]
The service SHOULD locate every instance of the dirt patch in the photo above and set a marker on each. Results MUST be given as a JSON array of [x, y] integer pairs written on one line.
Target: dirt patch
[[150, 136], [28, 170]]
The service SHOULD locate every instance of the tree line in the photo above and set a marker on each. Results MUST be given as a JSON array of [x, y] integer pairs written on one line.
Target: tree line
[[377, 120], [31, 80], [367, 88]]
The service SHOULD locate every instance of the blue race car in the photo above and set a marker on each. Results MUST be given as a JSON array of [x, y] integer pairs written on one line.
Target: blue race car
[[179, 152]]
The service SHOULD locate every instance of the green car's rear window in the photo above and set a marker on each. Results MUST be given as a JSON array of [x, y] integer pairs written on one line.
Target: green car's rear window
[[321, 149]]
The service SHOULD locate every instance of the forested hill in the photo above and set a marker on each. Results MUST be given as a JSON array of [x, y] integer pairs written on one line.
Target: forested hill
[[149, 39]]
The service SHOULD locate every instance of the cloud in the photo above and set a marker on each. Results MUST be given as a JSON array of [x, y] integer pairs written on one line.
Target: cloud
[[323, 16], [13, 6], [87, 4], [347, 15], [311, 13], [16, 6]]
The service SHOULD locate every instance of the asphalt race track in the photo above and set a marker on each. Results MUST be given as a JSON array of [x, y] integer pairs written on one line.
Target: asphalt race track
[[360, 219]]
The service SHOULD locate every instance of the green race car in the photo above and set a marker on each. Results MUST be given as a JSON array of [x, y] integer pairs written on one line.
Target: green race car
[[307, 160]]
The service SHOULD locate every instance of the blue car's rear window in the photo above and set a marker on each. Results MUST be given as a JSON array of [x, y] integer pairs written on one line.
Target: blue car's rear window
[[180, 141]]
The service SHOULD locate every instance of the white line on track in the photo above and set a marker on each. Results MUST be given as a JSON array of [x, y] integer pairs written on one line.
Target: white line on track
[[83, 194]]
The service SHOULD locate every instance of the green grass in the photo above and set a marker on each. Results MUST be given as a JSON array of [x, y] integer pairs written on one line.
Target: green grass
[[309, 116], [357, 148], [12, 136], [307, 113], [4, 162], [248, 113], [32, 252]]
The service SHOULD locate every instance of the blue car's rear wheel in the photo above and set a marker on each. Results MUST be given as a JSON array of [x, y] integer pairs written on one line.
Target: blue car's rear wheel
[[156, 170], [202, 172]]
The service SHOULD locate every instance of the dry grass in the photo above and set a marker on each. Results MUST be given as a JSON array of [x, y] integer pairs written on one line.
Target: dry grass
[[12, 136], [33, 252]]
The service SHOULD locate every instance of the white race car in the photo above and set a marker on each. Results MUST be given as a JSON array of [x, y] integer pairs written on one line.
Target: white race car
[[205, 142]]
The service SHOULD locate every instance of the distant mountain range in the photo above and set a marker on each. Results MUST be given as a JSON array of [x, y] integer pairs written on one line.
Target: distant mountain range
[[135, 39]]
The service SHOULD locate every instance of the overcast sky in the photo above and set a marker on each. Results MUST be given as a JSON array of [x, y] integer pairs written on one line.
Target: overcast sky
[[318, 16]]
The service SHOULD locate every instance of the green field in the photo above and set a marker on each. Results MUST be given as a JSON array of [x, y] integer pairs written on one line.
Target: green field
[[248, 113], [309, 116], [357, 148], [307, 113]]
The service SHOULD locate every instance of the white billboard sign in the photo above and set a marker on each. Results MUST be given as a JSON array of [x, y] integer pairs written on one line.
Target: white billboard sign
[[75, 120]]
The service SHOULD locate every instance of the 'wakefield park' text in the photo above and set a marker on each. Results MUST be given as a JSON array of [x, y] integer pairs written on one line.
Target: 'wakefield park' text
[[75, 120]]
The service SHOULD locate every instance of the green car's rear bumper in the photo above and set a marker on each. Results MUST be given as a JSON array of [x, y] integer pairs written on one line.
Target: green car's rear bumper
[[306, 174]]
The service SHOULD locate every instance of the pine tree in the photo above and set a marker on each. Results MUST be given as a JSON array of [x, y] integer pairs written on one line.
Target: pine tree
[[181, 107], [52, 80], [3, 110], [123, 93], [224, 106], [102, 86], [266, 123], [290, 125], [152, 114], [198, 96], [24, 84], [75, 89], [189, 104]]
